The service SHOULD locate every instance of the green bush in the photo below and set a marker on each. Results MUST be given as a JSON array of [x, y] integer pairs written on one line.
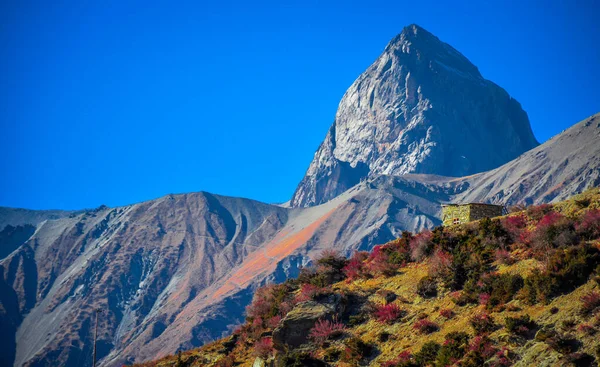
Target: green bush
[[520, 325], [503, 289], [454, 348], [482, 323], [428, 353], [566, 270]]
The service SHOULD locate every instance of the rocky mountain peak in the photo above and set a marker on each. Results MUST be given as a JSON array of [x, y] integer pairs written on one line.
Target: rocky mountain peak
[[421, 107]]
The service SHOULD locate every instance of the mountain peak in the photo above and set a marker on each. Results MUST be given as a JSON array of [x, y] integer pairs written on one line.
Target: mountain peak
[[421, 107]]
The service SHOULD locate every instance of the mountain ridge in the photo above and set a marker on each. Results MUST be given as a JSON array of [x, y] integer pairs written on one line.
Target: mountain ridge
[[419, 108]]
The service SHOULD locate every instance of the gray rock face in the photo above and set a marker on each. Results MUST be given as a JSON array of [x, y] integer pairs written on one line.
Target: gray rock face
[[294, 329], [421, 107]]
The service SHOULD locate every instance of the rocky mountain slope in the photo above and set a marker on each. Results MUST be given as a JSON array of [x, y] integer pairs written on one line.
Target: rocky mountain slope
[[176, 272], [523, 290], [422, 107]]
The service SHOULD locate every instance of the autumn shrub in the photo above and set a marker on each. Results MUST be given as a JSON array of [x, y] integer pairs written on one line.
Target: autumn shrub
[[515, 226], [263, 348], [480, 350], [310, 292], [567, 269], [589, 226], [399, 250], [389, 313], [440, 264], [536, 212], [427, 287], [226, 361], [520, 325], [330, 265], [355, 350], [482, 323], [590, 302], [503, 358], [447, 313], [379, 264], [268, 302], [355, 267], [461, 298], [274, 321], [553, 231], [404, 359], [586, 329], [421, 246], [325, 330], [504, 257], [425, 326], [453, 349]]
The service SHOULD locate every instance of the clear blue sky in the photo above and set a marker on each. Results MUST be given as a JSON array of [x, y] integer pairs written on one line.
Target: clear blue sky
[[115, 102]]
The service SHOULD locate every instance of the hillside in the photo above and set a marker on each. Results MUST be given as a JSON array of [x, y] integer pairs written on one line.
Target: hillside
[[518, 290]]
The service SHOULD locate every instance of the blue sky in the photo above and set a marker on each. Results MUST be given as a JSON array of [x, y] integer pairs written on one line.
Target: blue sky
[[115, 102]]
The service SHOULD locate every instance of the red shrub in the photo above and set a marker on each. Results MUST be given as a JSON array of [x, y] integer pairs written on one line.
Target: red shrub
[[484, 298], [309, 292], [440, 263], [447, 313], [379, 262], [514, 222], [590, 303], [285, 307], [504, 257], [536, 212], [552, 231], [420, 245], [355, 267], [274, 321], [502, 358], [587, 329], [388, 313], [426, 326], [589, 227], [483, 346], [324, 330], [516, 227], [227, 361], [550, 219], [482, 323], [263, 348], [262, 303], [404, 359]]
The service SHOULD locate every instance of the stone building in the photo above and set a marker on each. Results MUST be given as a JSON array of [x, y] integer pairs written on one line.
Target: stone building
[[464, 213]]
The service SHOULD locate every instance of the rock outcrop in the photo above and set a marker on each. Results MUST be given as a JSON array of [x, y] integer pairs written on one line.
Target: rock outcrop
[[294, 329], [422, 107]]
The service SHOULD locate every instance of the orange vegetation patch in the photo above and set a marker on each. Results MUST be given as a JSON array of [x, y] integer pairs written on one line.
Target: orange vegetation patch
[[261, 260]]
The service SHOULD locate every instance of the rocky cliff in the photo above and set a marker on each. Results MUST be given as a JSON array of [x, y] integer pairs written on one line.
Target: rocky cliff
[[421, 107]]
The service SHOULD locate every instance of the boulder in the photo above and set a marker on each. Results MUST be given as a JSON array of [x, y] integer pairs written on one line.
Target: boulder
[[294, 329]]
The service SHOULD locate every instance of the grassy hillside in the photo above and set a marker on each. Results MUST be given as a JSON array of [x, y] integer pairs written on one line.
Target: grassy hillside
[[519, 290]]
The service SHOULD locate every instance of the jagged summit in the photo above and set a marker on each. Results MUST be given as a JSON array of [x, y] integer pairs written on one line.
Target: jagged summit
[[416, 39], [421, 107]]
